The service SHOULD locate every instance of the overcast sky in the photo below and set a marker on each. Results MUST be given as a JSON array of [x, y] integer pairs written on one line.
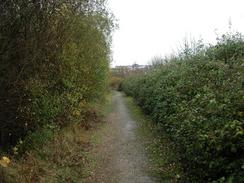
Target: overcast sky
[[149, 28]]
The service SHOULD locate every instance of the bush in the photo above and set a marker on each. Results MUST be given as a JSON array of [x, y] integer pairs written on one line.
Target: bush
[[54, 55], [115, 82], [198, 100]]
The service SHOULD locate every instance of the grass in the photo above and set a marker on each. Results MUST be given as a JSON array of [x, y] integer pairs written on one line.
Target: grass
[[64, 158], [163, 156]]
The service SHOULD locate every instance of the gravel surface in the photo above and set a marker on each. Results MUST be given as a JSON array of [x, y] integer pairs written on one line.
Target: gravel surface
[[120, 155]]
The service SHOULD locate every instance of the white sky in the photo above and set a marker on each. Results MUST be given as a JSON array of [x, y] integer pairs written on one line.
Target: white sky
[[149, 28]]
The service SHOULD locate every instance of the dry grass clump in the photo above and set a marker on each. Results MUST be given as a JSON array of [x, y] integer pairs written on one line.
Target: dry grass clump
[[64, 158]]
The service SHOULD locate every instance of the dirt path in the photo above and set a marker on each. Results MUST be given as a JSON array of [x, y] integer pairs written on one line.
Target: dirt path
[[120, 156]]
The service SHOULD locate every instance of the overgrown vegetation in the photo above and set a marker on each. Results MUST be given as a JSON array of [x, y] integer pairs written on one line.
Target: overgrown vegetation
[[115, 82], [197, 98], [54, 60], [63, 159], [66, 155]]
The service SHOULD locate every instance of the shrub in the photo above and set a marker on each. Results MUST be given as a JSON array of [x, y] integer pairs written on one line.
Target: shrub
[[198, 100], [54, 55], [115, 82]]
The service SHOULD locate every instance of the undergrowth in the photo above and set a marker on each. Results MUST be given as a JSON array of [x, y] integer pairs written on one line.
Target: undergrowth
[[60, 155]]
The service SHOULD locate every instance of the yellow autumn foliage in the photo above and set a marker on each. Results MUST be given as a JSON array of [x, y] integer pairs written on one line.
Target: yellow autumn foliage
[[5, 161]]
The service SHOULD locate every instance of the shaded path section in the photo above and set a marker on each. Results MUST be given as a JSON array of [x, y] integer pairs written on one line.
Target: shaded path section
[[120, 156]]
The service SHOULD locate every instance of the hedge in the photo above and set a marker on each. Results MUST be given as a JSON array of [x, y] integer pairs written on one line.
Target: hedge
[[54, 58], [198, 100]]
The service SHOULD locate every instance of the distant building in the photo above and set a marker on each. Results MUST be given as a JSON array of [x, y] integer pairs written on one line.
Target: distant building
[[123, 71]]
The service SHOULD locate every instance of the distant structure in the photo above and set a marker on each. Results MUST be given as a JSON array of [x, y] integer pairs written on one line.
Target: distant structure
[[132, 67], [127, 70]]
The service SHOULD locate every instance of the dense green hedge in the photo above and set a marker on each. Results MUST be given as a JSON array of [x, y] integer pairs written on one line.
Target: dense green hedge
[[54, 56], [198, 99]]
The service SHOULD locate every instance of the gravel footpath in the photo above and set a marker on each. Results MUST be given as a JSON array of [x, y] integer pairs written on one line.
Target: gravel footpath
[[120, 155]]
